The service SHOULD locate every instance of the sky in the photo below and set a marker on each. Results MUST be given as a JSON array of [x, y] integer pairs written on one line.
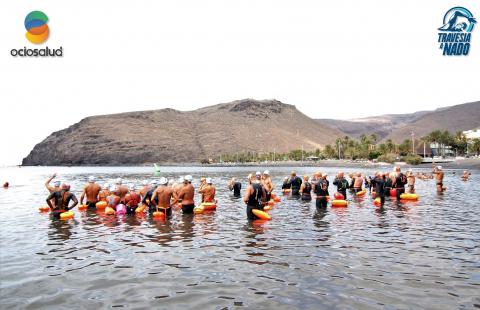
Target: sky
[[331, 59]]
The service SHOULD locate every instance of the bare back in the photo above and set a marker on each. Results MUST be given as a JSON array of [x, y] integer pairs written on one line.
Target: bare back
[[91, 191], [186, 194]]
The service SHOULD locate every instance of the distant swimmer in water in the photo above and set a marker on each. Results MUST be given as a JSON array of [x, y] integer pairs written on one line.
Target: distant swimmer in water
[[236, 187], [6, 185], [61, 200], [186, 195], [122, 190], [162, 197], [147, 199], [439, 174], [399, 182], [379, 182], [295, 183], [410, 181], [321, 190], [104, 193], [254, 197], [113, 200], [145, 188], [286, 183], [132, 200], [208, 191], [342, 184], [267, 184], [91, 190], [466, 175], [306, 189], [203, 183]]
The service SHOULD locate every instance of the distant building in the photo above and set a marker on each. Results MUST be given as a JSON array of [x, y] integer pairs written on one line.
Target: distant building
[[472, 134], [433, 149], [313, 158]]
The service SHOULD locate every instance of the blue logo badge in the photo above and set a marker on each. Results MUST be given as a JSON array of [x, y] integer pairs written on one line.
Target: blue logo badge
[[456, 33]]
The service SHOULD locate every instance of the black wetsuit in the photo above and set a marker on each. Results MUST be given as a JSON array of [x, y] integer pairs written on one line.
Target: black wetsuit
[[255, 200], [342, 186], [295, 184], [148, 196], [286, 185], [306, 193], [400, 182], [380, 189], [321, 190], [237, 187], [62, 200], [388, 186]]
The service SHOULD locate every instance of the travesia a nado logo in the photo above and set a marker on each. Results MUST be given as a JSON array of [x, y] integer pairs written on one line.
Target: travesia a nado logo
[[456, 33], [37, 33]]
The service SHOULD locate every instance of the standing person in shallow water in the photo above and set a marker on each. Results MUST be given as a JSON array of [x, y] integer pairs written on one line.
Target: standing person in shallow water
[[132, 200], [306, 189], [61, 200], [208, 191], [379, 183], [358, 183], [147, 199], [91, 190], [122, 190], [267, 184], [104, 193], [236, 187], [410, 181], [56, 184], [254, 196], [163, 194], [342, 184], [186, 195], [439, 174], [399, 182], [295, 183], [321, 191]]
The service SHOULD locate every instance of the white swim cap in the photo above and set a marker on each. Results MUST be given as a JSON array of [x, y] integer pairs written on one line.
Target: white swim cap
[[163, 181], [258, 173], [209, 180], [113, 188], [91, 179], [153, 182], [188, 178], [171, 181], [324, 174], [144, 182], [439, 167], [118, 181], [266, 172], [106, 186], [57, 183], [181, 179], [132, 187]]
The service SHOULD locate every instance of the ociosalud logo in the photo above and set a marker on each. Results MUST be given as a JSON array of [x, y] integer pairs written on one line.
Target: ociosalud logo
[[456, 33], [37, 33]]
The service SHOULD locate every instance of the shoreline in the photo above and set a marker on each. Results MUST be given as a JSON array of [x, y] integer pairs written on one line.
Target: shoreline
[[469, 163]]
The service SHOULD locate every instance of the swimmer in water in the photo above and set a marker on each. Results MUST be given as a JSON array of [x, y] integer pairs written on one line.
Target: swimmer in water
[[306, 189], [342, 184], [255, 196], [61, 200], [410, 181], [91, 190], [56, 184], [208, 191], [439, 174], [104, 193], [267, 184], [162, 197], [186, 195], [379, 182], [399, 182], [466, 175], [235, 186], [132, 200], [6, 185], [295, 183]]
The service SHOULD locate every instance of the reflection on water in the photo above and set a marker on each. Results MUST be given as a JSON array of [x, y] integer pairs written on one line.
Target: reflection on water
[[421, 254]]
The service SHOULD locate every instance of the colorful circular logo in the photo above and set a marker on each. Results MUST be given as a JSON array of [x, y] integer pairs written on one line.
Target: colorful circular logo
[[37, 28]]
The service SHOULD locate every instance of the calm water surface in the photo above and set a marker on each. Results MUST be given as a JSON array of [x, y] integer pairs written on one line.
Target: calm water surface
[[406, 256]]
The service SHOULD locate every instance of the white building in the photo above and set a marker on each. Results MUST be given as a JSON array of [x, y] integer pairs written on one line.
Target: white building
[[472, 134]]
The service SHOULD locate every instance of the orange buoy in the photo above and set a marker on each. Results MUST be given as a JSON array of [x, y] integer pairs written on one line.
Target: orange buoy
[[271, 202], [82, 207], [286, 191], [409, 196], [44, 209], [66, 215], [198, 210], [158, 215], [393, 192], [267, 208], [361, 193], [140, 209], [338, 196], [337, 203], [101, 205], [261, 214], [208, 206], [109, 211], [377, 202]]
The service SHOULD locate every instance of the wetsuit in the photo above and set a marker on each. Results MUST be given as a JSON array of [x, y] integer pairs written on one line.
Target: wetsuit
[[62, 200], [342, 185], [380, 189], [237, 187], [388, 186], [254, 200], [400, 182], [286, 185], [306, 194], [322, 192], [295, 184], [148, 196]]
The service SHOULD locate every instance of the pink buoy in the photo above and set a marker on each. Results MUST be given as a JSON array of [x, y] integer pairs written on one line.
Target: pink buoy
[[121, 209]]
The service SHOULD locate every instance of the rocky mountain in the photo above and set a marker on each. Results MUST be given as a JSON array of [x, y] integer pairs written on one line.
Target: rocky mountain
[[168, 136], [459, 117]]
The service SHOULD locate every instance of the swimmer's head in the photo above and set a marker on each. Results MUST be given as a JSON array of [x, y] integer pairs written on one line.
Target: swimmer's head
[[91, 179]]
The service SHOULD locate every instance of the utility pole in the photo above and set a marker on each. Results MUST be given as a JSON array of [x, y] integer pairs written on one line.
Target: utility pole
[[273, 154], [424, 149], [413, 143], [302, 154]]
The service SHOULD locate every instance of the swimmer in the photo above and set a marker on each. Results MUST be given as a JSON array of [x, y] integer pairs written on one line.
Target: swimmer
[[208, 191], [145, 188], [410, 181], [235, 186], [147, 199], [104, 193], [61, 200], [286, 184], [267, 184], [90, 190], [379, 182], [56, 184], [6, 185], [132, 200], [466, 175], [203, 183], [122, 190], [186, 195], [113, 199], [358, 183], [342, 184], [162, 197], [306, 189], [399, 182], [254, 196], [295, 183], [439, 174], [321, 190]]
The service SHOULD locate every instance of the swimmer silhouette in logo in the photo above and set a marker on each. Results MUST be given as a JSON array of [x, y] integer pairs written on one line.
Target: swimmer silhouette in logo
[[460, 20]]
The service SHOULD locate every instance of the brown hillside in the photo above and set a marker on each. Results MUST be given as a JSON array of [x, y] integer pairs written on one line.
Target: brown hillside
[[169, 135]]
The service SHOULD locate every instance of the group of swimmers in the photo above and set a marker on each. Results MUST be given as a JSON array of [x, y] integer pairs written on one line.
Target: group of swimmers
[[161, 195]]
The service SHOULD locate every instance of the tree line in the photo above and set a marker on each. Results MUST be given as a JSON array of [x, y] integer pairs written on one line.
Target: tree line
[[367, 147]]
